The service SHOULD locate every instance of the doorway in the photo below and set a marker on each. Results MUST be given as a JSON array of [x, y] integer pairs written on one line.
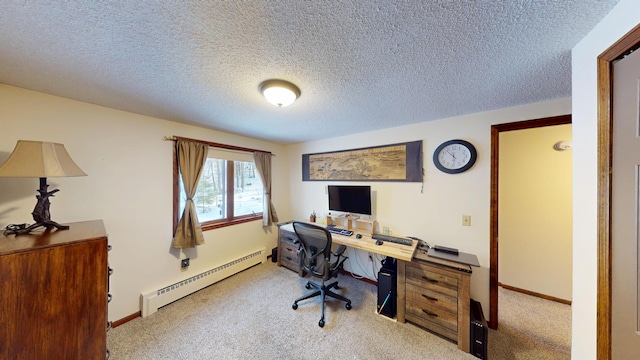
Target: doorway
[[630, 41], [494, 214]]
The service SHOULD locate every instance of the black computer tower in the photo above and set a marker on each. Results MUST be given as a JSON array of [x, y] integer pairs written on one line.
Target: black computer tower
[[479, 331], [387, 285]]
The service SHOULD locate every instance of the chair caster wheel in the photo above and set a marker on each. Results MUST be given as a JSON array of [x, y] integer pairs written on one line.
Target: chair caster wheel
[[294, 306], [348, 306], [321, 323]]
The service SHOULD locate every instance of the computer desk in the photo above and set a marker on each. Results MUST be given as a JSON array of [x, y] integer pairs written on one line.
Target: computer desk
[[366, 243], [407, 257], [402, 253], [411, 263]]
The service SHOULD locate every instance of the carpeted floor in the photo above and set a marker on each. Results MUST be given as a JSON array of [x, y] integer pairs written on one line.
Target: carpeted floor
[[249, 316], [530, 328]]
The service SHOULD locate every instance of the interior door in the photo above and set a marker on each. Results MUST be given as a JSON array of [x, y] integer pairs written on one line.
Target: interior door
[[625, 209]]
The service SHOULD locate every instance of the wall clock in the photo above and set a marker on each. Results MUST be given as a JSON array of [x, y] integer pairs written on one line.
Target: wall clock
[[455, 156]]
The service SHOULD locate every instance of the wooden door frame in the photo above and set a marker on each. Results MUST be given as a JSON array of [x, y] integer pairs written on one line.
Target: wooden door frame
[[493, 227], [605, 142]]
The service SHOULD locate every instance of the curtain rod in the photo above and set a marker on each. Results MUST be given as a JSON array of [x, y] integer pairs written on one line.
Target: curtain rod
[[213, 144]]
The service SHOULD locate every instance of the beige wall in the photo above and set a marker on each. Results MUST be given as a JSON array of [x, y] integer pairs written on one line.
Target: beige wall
[[535, 209], [129, 186], [137, 209], [434, 213]]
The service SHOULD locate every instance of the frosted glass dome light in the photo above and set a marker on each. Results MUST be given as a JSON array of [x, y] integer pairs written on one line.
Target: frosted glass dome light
[[279, 92]]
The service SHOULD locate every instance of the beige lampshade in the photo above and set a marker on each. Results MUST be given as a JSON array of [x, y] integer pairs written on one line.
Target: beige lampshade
[[39, 159]]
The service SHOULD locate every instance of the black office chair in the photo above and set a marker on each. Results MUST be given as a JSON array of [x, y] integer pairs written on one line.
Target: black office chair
[[315, 258]]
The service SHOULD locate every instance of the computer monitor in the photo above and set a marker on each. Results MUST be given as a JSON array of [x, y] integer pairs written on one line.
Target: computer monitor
[[350, 198]]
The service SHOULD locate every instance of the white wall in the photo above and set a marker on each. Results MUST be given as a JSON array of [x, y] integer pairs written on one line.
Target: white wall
[[435, 214], [129, 186], [535, 209], [615, 25]]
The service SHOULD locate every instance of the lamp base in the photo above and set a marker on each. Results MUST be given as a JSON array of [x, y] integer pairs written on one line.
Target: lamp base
[[41, 214], [20, 229]]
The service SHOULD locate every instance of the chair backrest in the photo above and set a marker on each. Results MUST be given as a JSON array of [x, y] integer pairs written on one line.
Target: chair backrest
[[315, 253]]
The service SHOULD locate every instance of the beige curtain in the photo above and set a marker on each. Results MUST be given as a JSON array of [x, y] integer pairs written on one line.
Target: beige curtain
[[191, 158], [263, 165]]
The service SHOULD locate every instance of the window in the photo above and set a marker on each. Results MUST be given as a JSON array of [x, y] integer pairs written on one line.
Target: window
[[229, 192]]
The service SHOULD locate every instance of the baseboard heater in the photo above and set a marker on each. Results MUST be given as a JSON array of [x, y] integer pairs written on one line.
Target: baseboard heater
[[154, 300]]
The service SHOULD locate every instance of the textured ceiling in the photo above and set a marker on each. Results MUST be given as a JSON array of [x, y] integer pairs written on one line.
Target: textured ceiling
[[361, 65]]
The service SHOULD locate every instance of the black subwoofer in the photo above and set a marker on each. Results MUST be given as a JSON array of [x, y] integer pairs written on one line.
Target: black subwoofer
[[479, 331]]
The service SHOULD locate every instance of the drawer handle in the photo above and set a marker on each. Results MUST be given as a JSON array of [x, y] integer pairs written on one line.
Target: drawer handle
[[429, 313], [429, 297], [288, 258], [289, 249], [430, 280]]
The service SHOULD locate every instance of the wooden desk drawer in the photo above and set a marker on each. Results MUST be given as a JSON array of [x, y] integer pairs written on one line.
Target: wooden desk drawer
[[289, 237], [289, 257], [431, 326], [429, 279], [434, 314], [435, 296], [421, 295], [289, 264], [288, 251]]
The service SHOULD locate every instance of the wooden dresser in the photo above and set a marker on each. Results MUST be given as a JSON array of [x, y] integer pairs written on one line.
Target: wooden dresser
[[435, 295], [54, 293]]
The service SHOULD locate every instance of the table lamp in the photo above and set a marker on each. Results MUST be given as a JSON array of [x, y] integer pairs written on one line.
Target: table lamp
[[39, 159]]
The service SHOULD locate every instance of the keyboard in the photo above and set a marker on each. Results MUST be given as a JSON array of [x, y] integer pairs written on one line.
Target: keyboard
[[393, 239], [339, 231]]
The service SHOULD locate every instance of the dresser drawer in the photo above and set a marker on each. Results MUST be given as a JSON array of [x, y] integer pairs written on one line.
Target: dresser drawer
[[421, 295]]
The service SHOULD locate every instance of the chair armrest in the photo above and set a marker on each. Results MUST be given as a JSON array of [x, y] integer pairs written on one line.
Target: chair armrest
[[340, 258], [334, 267], [340, 250]]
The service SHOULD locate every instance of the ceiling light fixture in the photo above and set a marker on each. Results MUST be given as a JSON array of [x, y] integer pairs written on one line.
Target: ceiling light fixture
[[279, 92]]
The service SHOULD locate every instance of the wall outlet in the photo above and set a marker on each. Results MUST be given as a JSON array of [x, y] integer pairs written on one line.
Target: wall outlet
[[466, 220], [184, 263]]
